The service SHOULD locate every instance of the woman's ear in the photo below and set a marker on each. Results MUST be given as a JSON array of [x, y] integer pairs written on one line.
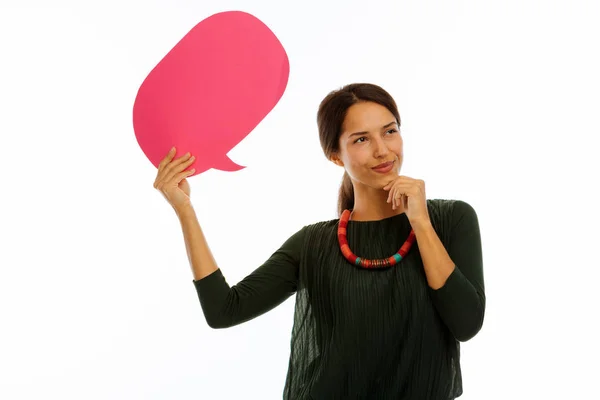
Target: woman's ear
[[336, 160]]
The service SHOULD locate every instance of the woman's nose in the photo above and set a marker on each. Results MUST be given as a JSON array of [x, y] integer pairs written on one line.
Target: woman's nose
[[380, 149]]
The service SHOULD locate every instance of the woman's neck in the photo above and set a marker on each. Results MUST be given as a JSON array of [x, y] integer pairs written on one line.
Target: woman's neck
[[371, 205]]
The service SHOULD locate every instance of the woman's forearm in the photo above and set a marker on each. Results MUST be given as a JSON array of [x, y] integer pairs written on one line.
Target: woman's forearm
[[436, 261], [455, 276], [201, 259]]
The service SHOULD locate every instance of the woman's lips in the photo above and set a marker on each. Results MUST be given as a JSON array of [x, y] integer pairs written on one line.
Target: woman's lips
[[384, 168]]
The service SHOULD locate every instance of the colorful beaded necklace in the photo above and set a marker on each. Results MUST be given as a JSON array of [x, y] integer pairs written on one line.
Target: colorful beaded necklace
[[366, 263]]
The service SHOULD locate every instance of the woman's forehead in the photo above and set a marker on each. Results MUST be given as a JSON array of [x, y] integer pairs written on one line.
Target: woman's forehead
[[366, 117]]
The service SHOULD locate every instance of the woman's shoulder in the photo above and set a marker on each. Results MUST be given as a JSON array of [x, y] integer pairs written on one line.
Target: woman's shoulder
[[444, 215], [323, 225], [316, 227], [450, 208], [447, 214]]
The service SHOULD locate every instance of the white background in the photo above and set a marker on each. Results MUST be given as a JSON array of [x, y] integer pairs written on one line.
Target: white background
[[499, 104]]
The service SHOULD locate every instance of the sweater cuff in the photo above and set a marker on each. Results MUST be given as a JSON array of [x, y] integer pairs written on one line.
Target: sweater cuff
[[210, 278], [459, 306], [455, 283], [212, 289]]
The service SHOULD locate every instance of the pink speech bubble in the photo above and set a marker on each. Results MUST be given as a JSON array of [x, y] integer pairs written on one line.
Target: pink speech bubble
[[211, 90]]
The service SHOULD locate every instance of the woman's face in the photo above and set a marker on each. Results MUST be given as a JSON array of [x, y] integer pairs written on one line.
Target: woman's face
[[370, 145]]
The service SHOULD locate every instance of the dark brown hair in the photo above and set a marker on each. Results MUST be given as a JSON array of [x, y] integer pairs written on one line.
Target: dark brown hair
[[330, 118]]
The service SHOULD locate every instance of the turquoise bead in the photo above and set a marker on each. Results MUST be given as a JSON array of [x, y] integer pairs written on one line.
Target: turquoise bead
[[397, 257], [357, 261]]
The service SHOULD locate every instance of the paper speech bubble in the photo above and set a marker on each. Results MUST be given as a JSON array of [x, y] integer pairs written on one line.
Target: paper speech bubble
[[211, 90]]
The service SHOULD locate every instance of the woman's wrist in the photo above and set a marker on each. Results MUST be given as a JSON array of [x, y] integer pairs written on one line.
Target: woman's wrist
[[184, 210]]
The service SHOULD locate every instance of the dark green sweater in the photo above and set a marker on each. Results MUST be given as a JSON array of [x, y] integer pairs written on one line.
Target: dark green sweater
[[365, 334]]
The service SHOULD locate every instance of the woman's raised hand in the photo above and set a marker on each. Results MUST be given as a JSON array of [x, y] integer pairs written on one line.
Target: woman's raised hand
[[170, 179]]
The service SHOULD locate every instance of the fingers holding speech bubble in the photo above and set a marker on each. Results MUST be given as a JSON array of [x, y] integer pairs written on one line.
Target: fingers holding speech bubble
[[211, 90]]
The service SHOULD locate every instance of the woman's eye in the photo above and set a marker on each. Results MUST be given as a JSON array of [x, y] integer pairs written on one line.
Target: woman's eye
[[392, 131], [359, 139]]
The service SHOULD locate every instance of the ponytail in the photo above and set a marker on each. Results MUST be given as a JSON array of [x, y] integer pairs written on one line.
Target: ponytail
[[346, 196]]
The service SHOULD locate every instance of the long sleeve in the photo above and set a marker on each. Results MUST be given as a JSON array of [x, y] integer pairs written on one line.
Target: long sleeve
[[264, 289], [461, 301]]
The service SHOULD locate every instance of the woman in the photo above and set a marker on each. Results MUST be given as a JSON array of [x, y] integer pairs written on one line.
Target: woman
[[384, 294]]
